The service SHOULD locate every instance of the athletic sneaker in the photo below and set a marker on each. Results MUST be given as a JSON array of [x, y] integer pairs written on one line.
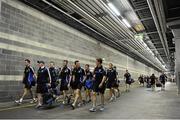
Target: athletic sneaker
[[73, 106], [17, 101], [38, 106], [33, 101], [102, 108], [64, 102], [111, 99], [81, 103], [93, 109]]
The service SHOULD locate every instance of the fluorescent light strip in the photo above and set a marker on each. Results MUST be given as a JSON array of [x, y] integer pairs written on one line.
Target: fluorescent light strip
[[114, 9], [126, 23]]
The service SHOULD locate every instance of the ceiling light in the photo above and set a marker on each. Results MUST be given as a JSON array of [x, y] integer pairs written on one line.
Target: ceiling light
[[126, 23], [114, 9]]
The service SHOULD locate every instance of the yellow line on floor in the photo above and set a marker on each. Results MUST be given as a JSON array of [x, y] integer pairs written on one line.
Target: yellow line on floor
[[20, 106], [17, 107]]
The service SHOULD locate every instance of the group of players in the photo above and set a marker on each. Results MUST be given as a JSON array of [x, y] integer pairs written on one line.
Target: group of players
[[74, 78], [153, 81]]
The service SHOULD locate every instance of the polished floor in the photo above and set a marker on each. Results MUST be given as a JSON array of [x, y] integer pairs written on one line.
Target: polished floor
[[139, 103]]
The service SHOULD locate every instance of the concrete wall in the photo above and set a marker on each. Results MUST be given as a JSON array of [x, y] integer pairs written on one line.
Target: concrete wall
[[28, 33], [176, 33]]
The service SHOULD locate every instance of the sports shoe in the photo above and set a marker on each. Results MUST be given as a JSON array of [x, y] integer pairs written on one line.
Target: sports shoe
[[17, 101], [38, 106], [64, 102], [72, 106], [93, 109], [113, 98], [21, 100], [102, 108], [80, 104], [33, 101]]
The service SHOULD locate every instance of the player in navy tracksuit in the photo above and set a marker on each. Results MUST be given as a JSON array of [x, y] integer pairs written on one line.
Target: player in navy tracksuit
[[111, 81], [153, 81], [27, 84], [99, 76], [54, 77], [43, 81], [65, 79], [163, 79], [128, 81], [77, 82], [88, 77]]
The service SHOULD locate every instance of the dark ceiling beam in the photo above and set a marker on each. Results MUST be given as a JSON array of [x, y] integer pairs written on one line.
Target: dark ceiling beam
[[174, 8], [153, 32], [162, 48], [138, 9], [170, 19], [70, 12], [101, 15], [158, 42], [145, 19], [151, 40]]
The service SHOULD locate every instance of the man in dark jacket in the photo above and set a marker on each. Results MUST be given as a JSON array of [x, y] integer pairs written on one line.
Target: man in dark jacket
[[77, 80], [153, 81], [163, 79], [54, 72], [65, 79], [43, 82], [99, 77], [128, 81], [111, 77]]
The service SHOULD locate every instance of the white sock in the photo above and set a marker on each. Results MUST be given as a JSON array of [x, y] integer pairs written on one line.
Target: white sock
[[21, 100], [73, 104]]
